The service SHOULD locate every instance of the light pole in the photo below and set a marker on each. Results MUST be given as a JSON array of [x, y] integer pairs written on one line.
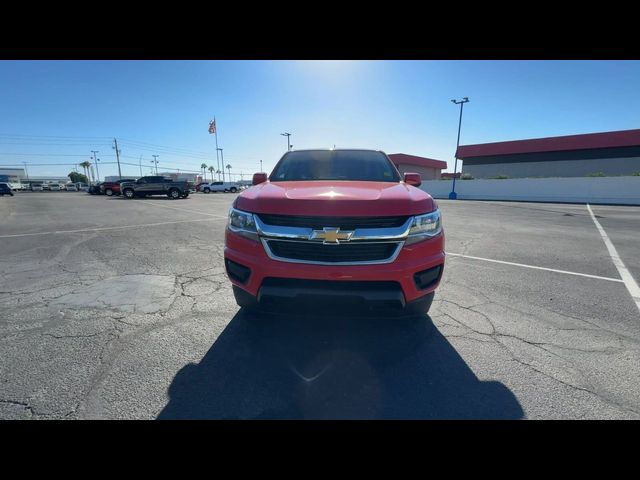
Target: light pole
[[287, 134], [453, 195], [221, 162], [95, 158], [155, 160], [260, 166]]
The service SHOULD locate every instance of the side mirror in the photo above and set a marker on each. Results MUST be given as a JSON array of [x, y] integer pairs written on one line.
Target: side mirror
[[413, 179], [259, 178]]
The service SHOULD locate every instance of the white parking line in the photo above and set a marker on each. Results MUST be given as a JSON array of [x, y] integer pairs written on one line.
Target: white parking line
[[610, 279], [626, 276], [99, 229]]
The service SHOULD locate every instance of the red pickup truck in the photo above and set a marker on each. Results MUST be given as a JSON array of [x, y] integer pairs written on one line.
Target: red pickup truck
[[339, 225], [113, 188]]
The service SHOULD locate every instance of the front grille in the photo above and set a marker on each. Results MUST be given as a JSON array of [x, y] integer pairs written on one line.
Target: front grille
[[345, 223], [342, 253]]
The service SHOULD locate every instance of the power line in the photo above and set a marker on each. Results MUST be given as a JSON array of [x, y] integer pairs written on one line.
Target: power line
[[50, 136], [49, 154]]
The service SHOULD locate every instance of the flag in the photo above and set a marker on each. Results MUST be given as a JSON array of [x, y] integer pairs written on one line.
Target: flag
[[212, 126]]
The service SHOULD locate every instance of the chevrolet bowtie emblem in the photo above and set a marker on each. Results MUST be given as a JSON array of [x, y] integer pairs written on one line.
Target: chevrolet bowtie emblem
[[331, 235]]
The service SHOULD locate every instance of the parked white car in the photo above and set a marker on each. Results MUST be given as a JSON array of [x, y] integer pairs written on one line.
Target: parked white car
[[219, 187], [54, 187], [71, 187], [36, 187]]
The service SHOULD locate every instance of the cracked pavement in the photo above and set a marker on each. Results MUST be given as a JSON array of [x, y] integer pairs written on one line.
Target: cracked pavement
[[140, 323]]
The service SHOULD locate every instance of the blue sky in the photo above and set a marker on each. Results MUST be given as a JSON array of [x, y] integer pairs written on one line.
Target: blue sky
[[58, 111]]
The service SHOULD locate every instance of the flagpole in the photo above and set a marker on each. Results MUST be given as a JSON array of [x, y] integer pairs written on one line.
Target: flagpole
[[217, 154]]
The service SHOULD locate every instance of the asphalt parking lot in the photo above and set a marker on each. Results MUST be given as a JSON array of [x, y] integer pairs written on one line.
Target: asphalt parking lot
[[120, 309]]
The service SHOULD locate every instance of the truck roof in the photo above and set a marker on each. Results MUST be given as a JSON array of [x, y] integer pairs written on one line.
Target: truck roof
[[337, 150]]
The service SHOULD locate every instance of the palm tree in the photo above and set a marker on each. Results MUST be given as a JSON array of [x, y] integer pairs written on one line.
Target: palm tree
[[211, 169], [85, 166], [203, 167], [229, 168], [218, 172]]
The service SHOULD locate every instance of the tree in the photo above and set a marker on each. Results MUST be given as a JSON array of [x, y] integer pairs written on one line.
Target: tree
[[229, 168], [85, 166], [218, 172], [203, 167], [211, 169], [76, 177]]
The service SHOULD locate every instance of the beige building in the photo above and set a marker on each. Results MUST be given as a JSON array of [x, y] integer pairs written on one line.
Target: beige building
[[428, 168]]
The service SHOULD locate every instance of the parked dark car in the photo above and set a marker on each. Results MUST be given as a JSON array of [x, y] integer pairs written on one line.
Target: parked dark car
[[113, 188], [5, 189], [95, 189]]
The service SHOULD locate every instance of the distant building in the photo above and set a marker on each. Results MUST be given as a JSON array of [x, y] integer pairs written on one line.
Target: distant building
[[611, 153], [428, 168], [115, 178], [13, 175], [188, 177]]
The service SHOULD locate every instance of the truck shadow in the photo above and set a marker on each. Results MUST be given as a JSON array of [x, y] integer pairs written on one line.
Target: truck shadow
[[297, 366]]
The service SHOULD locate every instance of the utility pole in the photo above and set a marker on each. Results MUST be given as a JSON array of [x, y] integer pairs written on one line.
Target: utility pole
[[453, 195], [155, 160], [141, 166], [260, 166], [27, 172], [117, 157], [287, 134], [95, 159], [221, 155]]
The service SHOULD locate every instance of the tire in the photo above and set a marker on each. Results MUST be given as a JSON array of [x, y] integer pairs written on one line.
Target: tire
[[421, 305], [128, 193], [207, 190], [174, 194], [108, 192], [184, 195], [244, 299], [234, 189]]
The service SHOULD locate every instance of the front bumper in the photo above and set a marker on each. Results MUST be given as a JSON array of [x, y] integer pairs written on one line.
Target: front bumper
[[411, 260]]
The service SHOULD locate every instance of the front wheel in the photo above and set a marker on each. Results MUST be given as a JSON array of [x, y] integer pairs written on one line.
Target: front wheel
[[207, 190], [244, 299], [421, 305], [128, 193], [174, 194], [108, 192], [234, 189]]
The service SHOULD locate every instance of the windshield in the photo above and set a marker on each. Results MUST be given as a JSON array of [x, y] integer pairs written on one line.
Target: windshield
[[363, 165]]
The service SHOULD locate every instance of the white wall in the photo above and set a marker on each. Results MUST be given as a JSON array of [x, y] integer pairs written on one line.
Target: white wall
[[615, 190]]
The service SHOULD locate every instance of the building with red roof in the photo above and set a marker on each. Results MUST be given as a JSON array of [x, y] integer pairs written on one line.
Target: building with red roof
[[610, 153], [428, 168]]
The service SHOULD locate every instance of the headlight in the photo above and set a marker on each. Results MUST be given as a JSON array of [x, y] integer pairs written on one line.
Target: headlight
[[424, 227], [242, 223]]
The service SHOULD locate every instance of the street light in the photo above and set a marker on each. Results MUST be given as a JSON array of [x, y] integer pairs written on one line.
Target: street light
[[453, 195], [287, 134]]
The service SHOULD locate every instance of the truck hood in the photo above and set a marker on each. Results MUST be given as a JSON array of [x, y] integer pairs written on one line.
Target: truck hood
[[335, 198]]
